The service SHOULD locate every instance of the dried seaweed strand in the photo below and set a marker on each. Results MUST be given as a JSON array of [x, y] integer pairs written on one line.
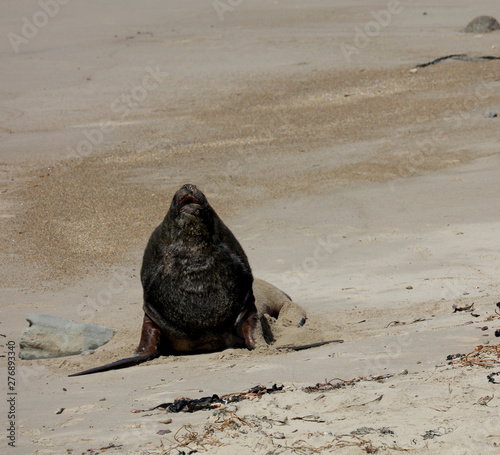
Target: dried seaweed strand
[[304, 447], [192, 437], [485, 356]]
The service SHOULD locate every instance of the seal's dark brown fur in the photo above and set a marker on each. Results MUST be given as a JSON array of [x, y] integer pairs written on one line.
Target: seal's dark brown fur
[[197, 285]]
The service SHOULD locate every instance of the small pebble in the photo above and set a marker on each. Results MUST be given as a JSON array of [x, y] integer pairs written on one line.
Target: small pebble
[[278, 436], [491, 115], [409, 287], [497, 333], [60, 410], [484, 328]]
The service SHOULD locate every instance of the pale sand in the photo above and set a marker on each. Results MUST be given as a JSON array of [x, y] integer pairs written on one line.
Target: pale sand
[[367, 192]]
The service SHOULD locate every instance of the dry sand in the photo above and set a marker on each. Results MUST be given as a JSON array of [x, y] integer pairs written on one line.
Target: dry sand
[[366, 190]]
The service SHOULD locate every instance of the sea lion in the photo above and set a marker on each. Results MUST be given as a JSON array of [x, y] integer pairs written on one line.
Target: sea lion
[[273, 303], [197, 285], [277, 304]]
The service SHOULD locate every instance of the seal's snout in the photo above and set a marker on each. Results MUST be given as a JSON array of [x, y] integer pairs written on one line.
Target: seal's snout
[[189, 200], [189, 187], [189, 190]]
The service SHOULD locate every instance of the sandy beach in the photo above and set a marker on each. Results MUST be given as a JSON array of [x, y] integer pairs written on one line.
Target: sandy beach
[[363, 185]]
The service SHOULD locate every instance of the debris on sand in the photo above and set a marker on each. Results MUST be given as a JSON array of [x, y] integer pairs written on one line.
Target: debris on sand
[[307, 346], [484, 356], [459, 57], [342, 383], [205, 403], [229, 425], [463, 308], [491, 378]]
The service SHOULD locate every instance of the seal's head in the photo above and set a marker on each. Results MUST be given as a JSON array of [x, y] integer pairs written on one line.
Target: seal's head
[[191, 211]]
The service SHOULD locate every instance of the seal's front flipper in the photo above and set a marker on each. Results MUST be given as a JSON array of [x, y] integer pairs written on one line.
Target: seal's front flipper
[[246, 322], [150, 338], [148, 349], [248, 329]]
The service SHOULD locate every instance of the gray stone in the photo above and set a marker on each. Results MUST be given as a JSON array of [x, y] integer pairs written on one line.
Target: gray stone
[[50, 336], [482, 24]]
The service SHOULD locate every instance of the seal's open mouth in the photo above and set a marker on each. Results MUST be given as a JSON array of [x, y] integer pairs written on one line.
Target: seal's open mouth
[[187, 200]]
